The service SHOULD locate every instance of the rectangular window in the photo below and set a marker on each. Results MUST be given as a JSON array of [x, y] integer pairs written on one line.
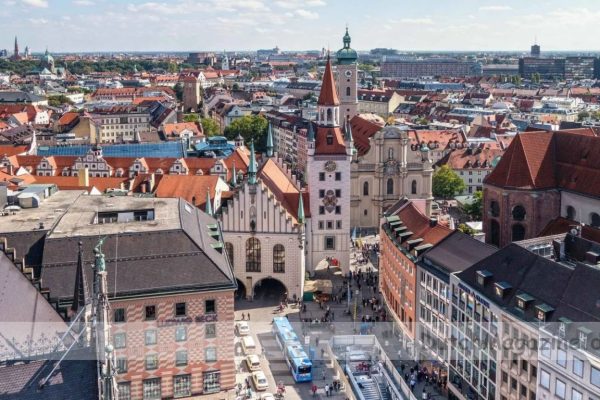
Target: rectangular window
[[578, 367], [211, 382], [181, 358], [321, 176], [151, 362], [210, 307], [561, 358], [119, 315], [321, 210], [523, 391], [576, 395], [210, 354], [544, 379], [150, 337], [182, 386], [545, 345], [121, 365], [338, 224], [150, 312], [329, 224], [152, 389], [338, 193], [595, 377], [321, 225], [338, 209], [210, 331], [180, 334], [180, 310], [560, 389], [124, 389], [329, 243], [321, 193], [120, 340], [338, 176]]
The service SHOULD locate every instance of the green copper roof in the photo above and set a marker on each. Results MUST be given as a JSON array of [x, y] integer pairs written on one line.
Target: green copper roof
[[270, 141], [208, 204], [234, 176], [346, 55], [300, 209], [311, 132], [252, 170]]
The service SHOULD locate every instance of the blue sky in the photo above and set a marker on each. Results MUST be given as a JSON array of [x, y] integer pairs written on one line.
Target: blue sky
[[183, 25]]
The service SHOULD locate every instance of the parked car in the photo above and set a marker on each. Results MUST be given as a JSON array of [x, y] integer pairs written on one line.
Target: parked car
[[259, 380], [242, 328], [253, 362]]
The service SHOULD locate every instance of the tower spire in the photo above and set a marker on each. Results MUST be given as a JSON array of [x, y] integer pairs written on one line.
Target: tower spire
[[208, 206], [252, 170], [311, 132], [81, 295], [270, 141], [328, 95]]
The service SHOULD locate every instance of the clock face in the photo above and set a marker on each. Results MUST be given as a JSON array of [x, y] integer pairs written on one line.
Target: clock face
[[330, 166], [348, 73]]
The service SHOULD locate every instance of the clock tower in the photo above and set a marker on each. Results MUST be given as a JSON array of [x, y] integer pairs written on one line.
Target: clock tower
[[347, 79], [330, 152]]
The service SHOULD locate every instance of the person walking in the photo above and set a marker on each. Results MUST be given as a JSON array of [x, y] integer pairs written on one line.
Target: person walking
[[327, 390], [314, 390]]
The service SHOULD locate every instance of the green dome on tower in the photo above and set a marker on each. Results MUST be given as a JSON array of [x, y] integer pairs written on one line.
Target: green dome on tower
[[346, 55]]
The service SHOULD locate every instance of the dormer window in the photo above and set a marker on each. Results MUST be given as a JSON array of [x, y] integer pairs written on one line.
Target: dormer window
[[563, 326], [523, 300], [329, 138], [483, 277], [502, 288], [543, 312], [584, 333]]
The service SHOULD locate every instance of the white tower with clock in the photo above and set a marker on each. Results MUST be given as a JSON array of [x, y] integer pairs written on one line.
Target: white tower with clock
[[347, 79], [328, 176]]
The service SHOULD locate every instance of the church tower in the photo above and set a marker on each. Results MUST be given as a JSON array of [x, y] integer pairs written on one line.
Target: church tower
[[347, 71], [225, 61], [328, 177]]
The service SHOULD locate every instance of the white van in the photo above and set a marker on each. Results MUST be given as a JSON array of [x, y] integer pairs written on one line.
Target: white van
[[248, 345]]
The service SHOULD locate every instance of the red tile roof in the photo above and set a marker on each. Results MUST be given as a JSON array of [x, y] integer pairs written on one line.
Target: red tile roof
[[362, 131], [420, 226], [328, 95], [562, 225], [471, 158], [68, 118], [192, 188], [335, 146], [11, 150], [541, 160], [72, 182], [285, 190], [175, 129]]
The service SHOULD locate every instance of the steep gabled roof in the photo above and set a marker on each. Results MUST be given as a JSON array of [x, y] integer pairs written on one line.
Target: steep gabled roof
[[328, 95], [362, 130], [334, 146]]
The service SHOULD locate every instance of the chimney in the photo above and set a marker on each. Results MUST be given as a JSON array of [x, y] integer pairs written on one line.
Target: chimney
[[83, 177], [558, 248], [11, 169], [433, 222], [152, 182]]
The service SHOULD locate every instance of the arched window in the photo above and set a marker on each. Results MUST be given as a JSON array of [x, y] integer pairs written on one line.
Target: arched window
[[494, 233], [390, 186], [366, 189], [278, 258], [329, 117], [390, 153], [518, 213], [518, 232], [595, 220], [348, 91], [571, 214], [494, 208], [229, 252], [413, 187], [253, 255]]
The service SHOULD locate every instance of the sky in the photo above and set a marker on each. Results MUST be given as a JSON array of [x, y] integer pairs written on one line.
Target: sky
[[187, 25]]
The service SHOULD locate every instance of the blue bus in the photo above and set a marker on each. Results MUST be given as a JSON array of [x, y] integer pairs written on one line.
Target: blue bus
[[298, 362]]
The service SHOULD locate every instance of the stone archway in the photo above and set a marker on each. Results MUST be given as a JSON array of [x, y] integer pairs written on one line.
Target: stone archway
[[270, 291], [240, 292]]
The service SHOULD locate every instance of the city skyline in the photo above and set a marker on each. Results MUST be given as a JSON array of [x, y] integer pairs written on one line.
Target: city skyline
[[184, 25]]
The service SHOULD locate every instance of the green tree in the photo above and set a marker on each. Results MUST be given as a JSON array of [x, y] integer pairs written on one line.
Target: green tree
[[536, 78], [173, 69], [466, 229], [191, 118], [179, 91], [251, 127], [235, 87], [475, 208], [209, 127], [583, 115], [446, 183], [57, 101]]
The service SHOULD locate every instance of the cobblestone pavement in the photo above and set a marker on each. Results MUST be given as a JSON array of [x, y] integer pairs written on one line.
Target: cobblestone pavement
[[263, 310]]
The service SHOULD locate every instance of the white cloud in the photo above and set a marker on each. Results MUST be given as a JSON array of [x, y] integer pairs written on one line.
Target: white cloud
[[417, 21], [495, 8], [293, 4], [83, 2], [36, 3], [306, 14], [38, 21]]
